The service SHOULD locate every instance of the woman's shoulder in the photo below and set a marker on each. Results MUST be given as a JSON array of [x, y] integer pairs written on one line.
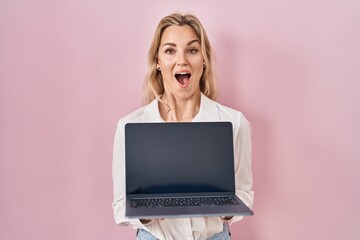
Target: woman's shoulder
[[134, 116], [228, 113], [214, 110], [140, 115], [236, 117]]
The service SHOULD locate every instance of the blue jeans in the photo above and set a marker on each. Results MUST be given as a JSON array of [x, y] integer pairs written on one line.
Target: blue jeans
[[224, 235]]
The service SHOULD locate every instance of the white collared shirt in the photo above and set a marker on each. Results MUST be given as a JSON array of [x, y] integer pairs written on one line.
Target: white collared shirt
[[186, 228]]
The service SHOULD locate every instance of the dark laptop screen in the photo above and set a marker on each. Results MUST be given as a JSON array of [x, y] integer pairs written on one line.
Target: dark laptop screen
[[179, 157]]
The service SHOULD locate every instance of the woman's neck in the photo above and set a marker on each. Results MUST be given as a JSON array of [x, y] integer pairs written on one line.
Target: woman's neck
[[173, 109]]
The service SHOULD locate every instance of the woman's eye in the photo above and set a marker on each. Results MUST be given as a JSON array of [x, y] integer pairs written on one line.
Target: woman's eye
[[192, 51], [169, 51]]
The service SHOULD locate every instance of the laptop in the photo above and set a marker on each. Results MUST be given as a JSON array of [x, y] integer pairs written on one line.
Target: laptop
[[180, 170]]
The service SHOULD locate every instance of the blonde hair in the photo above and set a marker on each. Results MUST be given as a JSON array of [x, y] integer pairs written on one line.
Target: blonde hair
[[153, 85]]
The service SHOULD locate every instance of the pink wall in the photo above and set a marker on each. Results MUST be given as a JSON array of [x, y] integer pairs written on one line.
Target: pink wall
[[70, 69]]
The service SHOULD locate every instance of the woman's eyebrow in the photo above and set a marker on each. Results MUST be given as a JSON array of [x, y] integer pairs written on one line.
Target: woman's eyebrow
[[174, 45], [169, 44], [192, 41]]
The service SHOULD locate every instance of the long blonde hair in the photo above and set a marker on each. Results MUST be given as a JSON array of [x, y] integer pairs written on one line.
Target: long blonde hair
[[153, 85]]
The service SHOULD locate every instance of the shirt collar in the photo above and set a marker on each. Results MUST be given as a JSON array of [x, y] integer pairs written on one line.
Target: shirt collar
[[208, 111]]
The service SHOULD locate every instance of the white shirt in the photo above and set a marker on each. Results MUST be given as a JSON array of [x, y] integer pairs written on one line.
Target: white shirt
[[186, 228]]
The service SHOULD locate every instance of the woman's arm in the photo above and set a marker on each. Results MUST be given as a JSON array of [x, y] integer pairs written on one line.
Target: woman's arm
[[118, 175], [243, 158]]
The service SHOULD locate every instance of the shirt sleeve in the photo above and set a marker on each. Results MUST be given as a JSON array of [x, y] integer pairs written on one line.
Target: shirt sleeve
[[243, 155], [118, 175]]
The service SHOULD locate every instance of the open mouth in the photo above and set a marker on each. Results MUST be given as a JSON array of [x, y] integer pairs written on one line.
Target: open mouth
[[183, 78]]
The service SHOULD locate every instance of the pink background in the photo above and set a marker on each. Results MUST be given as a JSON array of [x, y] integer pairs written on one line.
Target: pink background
[[70, 69]]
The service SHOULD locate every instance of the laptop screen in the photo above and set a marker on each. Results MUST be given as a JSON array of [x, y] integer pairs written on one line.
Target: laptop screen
[[190, 157]]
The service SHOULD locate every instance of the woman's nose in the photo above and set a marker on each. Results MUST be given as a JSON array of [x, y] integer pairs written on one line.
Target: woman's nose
[[182, 60]]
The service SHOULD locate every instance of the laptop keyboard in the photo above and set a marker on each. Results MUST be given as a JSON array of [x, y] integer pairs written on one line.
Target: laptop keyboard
[[173, 202]]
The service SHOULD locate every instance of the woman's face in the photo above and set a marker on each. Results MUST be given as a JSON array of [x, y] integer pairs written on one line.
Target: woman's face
[[181, 61]]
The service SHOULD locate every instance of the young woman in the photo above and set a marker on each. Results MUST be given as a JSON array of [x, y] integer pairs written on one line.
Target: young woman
[[180, 87]]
